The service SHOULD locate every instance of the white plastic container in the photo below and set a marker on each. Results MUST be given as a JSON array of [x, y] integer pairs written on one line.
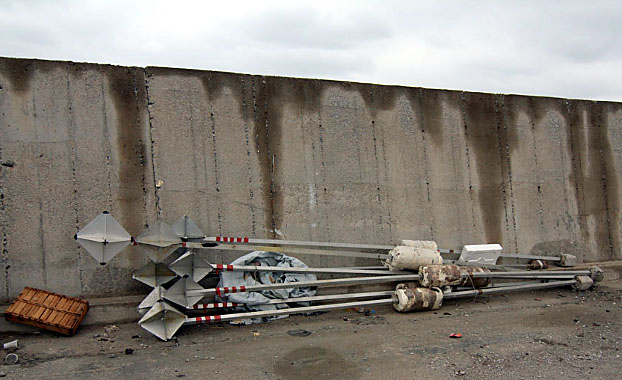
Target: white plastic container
[[481, 253]]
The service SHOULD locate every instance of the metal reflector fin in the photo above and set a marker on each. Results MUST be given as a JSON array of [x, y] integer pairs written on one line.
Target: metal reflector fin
[[162, 320], [154, 274], [178, 293], [154, 297], [191, 265], [103, 238], [158, 241], [185, 228]]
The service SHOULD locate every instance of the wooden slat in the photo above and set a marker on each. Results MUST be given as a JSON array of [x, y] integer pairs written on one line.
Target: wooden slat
[[47, 310]]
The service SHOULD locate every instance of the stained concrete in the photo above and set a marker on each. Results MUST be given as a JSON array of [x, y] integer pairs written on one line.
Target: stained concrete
[[274, 157]]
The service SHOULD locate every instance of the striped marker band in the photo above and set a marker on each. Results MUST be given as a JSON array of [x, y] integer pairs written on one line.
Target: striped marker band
[[214, 305], [207, 319], [224, 267], [225, 239], [235, 289]]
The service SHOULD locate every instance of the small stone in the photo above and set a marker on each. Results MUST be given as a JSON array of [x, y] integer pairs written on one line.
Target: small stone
[[135, 336], [2, 373], [129, 351]]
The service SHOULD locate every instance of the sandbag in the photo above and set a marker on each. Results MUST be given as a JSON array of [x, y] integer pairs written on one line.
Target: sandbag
[[417, 299], [439, 275], [412, 257]]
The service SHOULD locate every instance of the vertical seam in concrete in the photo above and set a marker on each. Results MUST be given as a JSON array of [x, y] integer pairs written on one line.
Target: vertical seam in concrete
[[215, 155], [251, 194], [576, 167], [106, 142], [426, 169], [603, 170], [72, 144], [38, 177], [4, 257], [271, 159], [137, 120], [508, 163], [468, 158], [536, 164], [386, 182], [5, 241], [323, 171], [195, 159], [156, 190], [500, 147], [313, 212], [377, 170]]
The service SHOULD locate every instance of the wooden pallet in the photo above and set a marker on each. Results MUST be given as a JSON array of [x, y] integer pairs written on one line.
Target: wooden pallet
[[47, 310]]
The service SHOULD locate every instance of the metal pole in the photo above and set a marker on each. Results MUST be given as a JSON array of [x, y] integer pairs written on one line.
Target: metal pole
[[332, 282], [278, 301], [297, 243], [261, 268], [293, 310], [474, 292], [292, 250]]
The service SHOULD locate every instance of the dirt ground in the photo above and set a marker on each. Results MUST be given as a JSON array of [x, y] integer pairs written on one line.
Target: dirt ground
[[540, 334]]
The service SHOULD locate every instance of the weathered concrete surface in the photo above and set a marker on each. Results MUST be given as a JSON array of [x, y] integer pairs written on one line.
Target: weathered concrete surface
[[547, 334], [290, 158]]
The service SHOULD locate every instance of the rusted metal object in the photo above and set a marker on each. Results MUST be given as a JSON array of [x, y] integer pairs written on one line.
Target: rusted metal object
[[440, 275], [537, 264], [417, 299], [470, 281], [597, 274], [583, 283]]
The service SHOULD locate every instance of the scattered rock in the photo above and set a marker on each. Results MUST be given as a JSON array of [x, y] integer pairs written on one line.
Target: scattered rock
[[110, 328]]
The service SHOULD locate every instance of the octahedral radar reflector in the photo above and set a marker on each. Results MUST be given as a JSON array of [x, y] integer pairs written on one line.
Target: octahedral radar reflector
[[154, 274], [103, 238], [191, 265], [158, 241]]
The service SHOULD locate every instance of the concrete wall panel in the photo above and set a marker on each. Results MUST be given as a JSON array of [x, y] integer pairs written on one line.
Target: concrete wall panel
[[274, 157]]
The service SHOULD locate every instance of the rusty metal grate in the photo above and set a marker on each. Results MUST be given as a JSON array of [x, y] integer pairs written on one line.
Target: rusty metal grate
[[47, 310]]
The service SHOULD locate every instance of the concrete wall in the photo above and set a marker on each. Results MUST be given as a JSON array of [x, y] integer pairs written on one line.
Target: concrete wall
[[290, 158]]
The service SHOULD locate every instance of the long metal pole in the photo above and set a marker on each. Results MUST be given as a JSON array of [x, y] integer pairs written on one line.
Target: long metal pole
[[293, 310], [453, 295], [261, 268], [296, 243], [474, 292], [367, 280], [277, 301], [292, 250], [332, 282]]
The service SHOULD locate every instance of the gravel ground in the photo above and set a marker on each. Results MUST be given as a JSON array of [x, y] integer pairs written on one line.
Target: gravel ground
[[541, 334]]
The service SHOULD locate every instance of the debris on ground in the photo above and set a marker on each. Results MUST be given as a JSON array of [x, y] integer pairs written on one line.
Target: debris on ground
[[299, 332], [47, 310]]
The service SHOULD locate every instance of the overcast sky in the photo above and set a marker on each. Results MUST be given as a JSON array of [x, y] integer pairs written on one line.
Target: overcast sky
[[556, 48]]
